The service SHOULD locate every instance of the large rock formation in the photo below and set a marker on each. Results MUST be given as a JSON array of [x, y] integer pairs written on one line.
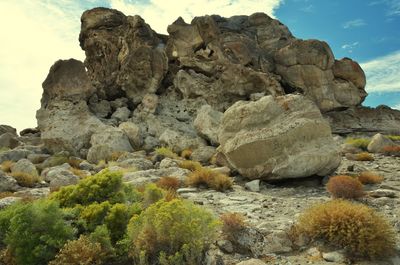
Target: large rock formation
[[276, 138], [146, 89]]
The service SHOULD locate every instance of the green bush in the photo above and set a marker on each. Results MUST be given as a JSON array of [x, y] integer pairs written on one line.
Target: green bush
[[104, 186], [117, 220], [175, 232], [152, 194], [394, 137], [94, 214], [5, 219], [355, 227], [36, 232], [361, 143]]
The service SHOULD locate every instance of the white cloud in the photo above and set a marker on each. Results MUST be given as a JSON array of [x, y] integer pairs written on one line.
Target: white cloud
[[393, 6], [37, 33], [354, 23], [308, 9], [396, 107], [383, 73], [349, 47], [161, 13]]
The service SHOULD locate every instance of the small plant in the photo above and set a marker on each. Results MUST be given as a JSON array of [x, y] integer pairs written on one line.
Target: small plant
[[361, 143], [186, 154], [152, 194], [211, 179], [25, 179], [364, 156], [345, 187], [6, 166], [355, 227], [81, 251], [77, 172], [166, 152], [167, 183], [232, 223], [368, 177], [171, 233], [190, 165], [391, 150], [74, 162]]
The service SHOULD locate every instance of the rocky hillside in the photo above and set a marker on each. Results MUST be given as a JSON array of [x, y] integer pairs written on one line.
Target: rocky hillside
[[242, 116]]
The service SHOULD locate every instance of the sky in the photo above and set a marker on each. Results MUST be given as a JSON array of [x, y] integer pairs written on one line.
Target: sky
[[36, 33]]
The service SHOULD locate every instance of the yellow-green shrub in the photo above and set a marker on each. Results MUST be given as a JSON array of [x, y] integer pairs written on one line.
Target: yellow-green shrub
[[345, 187], [152, 194], [210, 179], [104, 186], [94, 214], [361, 143], [190, 165], [394, 137], [171, 233], [25, 179], [6, 166], [355, 227], [80, 252], [166, 152]]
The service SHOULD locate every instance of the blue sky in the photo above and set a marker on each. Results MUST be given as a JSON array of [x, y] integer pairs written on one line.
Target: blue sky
[[43, 31]]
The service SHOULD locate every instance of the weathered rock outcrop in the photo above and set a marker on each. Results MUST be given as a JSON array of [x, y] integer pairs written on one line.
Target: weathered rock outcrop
[[276, 138], [151, 88]]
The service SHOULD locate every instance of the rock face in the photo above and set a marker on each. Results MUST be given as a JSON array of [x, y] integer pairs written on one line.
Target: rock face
[[378, 142], [276, 138], [152, 88]]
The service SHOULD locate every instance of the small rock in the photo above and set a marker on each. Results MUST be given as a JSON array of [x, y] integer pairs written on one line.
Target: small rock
[[85, 165], [334, 256], [253, 185], [9, 140], [25, 166], [225, 245], [37, 158], [7, 183], [121, 114], [138, 163], [383, 193], [168, 162], [7, 201], [378, 142], [186, 190], [203, 154], [252, 262], [35, 193]]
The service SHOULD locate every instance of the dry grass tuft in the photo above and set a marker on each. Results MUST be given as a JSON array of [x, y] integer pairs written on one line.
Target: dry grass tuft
[[345, 187], [211, 179], [74, 162], [6, 166], [25, 180], [116, 155], [368, 177], [186, 154], [166, 152], [355, 227], [77, 172], [232, 223], [190, 165], [168, 183], [364, 156]]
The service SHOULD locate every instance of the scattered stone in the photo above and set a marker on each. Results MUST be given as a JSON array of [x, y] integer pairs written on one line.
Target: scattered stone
[[7, 201], [203, 154], [7, 183], [133, 132], [35, 193], [225, 245], [14, 155], [383, 193], [253, 185], [335, 256], [137, 163], [186, 190], [121, 114], [37, 158], [25, 166]]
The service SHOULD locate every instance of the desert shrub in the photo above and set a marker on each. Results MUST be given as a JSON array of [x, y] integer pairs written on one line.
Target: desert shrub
[[190, 165], [167, 183], [391, 150], [210, 179], [175, 232], [232, 223], [77, 172], [94, 214], [36, 232], [394, 137], [186, 154], [364, 156], [117, 220], [104, 186], [345, 187], [166, 152], [25, 179], [74, 162], [152, 194], [355, 227], [6, 166], [361, 143], [368, 177], [80, 252]]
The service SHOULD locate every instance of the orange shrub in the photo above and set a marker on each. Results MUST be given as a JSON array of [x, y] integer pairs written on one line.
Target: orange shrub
[[364, 156], [232, 223], [391, 150], [186, 154], [6, 166], [345, 187], [168, 183], [368, 177], [210, 179]]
